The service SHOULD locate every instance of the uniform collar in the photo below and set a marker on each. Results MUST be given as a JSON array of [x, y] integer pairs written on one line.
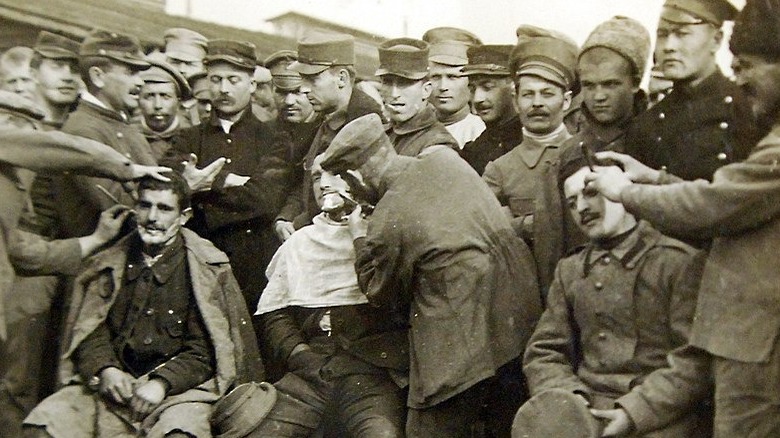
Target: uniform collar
[[162, 268], [706, 88], [628, 252], [531, 149], [421, 121]]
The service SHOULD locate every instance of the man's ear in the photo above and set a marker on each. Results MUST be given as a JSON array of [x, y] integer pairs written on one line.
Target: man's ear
[[96, 76], [185, 216], [566, 100], [343, 78], [427, 89], [718, 37]]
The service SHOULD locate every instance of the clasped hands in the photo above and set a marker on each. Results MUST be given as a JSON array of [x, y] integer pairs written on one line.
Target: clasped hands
[[618, 423], [123, 388]]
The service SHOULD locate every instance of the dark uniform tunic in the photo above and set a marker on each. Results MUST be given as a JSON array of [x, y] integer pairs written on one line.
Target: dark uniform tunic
[[154, 323], [359, 105], [238, 219], [694, 131], [494, 142], [412, 136]]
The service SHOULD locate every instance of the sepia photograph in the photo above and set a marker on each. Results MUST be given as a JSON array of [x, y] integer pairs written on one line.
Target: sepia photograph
[[389, 219]]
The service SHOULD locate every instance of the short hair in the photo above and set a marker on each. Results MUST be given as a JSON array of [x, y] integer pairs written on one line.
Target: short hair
[[87, 62], [17, 56], [177, 185]]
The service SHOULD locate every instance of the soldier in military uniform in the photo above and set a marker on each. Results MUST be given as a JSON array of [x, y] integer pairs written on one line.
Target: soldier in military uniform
[[492, 95], [704, 122], [451, 97], [405, 89], [163, 90]]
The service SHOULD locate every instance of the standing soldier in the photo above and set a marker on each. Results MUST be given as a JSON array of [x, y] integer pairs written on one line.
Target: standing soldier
[[185, 50], [704, 122], [492, 94], [451, 95], [235, 200], [543, 65], [326, 63], [163, 90], [405, 89]]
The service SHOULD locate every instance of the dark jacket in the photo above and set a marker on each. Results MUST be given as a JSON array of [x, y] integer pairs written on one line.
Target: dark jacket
[[494, 142], [80, 201], [612, 316], [439, 242], [694, 131], [359, 105], [301, 136], [419, 132]]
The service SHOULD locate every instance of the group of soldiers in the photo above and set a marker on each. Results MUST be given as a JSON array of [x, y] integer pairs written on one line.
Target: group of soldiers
[[481, 241]]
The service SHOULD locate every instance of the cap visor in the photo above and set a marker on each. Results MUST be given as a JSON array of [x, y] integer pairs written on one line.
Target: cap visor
[[542, 73], [474, 71], [230, 60], [413, 75], [136, 63], [287, 84], [182, 56], [307, 69], [679, 16], [52, 53], [450, 60]]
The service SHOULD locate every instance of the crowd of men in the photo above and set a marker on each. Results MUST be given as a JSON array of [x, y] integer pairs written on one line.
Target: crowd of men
[[482, 241]]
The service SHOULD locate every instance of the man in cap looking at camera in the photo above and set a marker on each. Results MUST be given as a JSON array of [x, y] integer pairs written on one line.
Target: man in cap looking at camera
[[243, 171], [405, 89], [263, 103], [737, 311], [492, 95], [544, 70], [450, 96], [704, 123], [326, 65], [55, 69], [438, 244], [163, 90], [184, 51]]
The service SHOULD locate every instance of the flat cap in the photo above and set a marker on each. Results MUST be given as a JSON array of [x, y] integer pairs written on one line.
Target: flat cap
[[20, 105], [355, 144], [572, 418], [161, 72], [448, 45], [118, 47], [185, 44], [53, 46], [488, 59], [199, 84], [625, 36], [404, 57], [279, 65], [757, 30], [318, 51], [547, 54], [698, 11], [238, 53]]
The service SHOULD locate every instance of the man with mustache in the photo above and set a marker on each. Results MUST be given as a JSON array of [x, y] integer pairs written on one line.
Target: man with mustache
[[241, 187], [738, 315], [492, 95], [542, 65], [615, 309], [704, 123], [405, 89], [158, 332], [450, 95], [298, 119], [611, 65], [163, 90]]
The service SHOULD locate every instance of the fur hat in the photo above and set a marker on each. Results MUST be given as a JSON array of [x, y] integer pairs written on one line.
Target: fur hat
[[625, 36], [757, 29]]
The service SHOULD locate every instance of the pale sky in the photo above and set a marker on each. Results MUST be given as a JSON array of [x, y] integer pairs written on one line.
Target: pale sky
[[494, 21]]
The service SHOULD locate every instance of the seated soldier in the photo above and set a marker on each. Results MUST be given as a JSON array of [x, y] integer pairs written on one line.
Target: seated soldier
[[343, 355], [158, 331], [615, 310]]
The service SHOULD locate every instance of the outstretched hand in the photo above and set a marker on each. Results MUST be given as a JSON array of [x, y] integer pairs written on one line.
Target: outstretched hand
[[140, 171], [609, 181], [200, 180], [636, 171]]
